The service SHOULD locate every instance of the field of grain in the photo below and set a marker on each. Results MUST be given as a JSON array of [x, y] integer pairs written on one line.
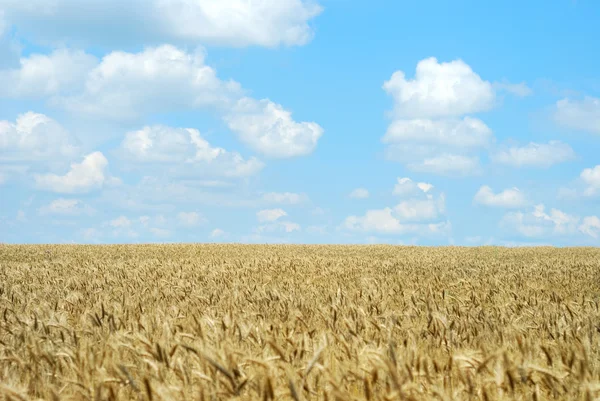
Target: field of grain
[[212, 322]]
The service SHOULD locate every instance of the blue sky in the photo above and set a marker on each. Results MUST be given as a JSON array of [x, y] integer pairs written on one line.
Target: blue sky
[[331, 121]]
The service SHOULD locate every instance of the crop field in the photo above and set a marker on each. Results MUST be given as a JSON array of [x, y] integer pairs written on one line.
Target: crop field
[[217, 322]]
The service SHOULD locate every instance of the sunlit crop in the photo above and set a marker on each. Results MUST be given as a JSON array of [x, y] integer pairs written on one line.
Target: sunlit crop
[[212, 322]]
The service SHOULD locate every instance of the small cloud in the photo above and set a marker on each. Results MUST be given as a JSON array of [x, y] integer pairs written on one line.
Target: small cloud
[[520, 89], [270, 214], [217, 233], [190, 219], [359, 193], [509, 198]]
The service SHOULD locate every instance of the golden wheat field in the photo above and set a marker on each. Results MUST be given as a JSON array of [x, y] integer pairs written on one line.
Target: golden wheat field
[[216, 322]]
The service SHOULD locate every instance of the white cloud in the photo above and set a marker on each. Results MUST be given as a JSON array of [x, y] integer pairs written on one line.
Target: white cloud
[[538, 223], [270, 214], [190, 219], [285, 197], [40, 75], [581, 115], [520, 89], [237, 23], [509, 198], [359, 193], [421, 215], [466, 133], [127, 85], [420, 209], [185, 151], [86, 176], [449, 165], [405, 187], [427, 132], [534, 155], [269, 129], [120, 222], [160, 232], [439, 90], [66, 207], [591, 178], [217, 233], [35, 137], [590, 226], [278, 226]]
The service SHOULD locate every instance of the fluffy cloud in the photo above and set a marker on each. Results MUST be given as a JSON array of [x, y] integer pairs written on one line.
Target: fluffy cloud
[[126, 85], [539, 223], [591, 178], [86, 176], [35, 137], [420, 209], [509, 198], [66, 207], [439, 90], [405, 187], [285, 197], [217, 233], [422, 214], [466, 133], [270, 214], [581, 115], [269, 129], [184, 150], [534, 155], [190, 219], [359, 193], [427, 132], [278, 226], [61, 71], [450, 165], [590, 226], [268, 23]]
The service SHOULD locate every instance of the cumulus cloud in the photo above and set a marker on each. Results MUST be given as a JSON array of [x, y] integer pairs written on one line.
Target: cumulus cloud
[[591, 178], [278, 226], [184, 150], [126, 86], [359, 193], [35, 137], [539, 155], [38, 75], [238, 23], [509, 198], [429, 131], [217, 233], [590, 226], [66, 207], [269, 129], [583, 115], [83, 177], [270, 214], [466, 133], [439, 90], [285, 197], [420, 209], [405, 187], [539, 223], [190, 219], [421, 214], [449, 165]]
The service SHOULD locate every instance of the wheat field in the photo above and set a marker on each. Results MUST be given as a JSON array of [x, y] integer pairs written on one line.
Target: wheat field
[[216, 322]]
